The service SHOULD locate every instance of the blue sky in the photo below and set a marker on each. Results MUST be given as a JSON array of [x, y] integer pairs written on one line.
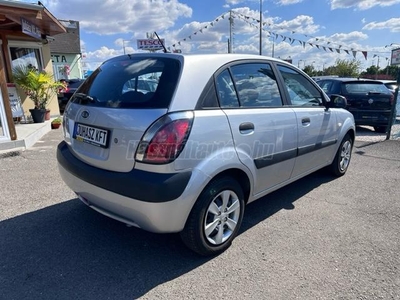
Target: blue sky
[[310, 32]]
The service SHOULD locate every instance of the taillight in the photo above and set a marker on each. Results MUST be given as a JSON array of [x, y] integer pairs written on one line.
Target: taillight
[[165, 139]]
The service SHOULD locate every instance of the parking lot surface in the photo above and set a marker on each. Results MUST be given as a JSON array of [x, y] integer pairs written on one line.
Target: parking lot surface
[[318, 238]]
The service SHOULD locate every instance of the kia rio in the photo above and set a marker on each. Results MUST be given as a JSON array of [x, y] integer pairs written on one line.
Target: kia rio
[[217, 132]]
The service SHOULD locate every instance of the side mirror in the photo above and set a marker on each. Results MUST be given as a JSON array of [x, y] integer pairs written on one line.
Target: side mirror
[[337, 101]]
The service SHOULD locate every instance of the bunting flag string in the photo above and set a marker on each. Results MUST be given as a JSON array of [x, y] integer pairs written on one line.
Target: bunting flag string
[[201, 30], [339, 49]]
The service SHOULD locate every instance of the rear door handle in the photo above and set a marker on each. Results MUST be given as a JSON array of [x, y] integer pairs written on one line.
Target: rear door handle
[[305, 121], [246, 128]]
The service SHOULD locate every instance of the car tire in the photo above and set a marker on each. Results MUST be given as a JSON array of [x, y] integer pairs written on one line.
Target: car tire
[[215, 218], [342, 159], [380, 129]]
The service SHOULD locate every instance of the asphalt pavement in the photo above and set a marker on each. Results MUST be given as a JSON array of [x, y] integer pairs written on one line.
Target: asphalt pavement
[[318, 238]]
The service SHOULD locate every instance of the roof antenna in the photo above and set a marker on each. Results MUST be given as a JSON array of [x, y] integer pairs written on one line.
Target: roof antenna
[[165, 49]]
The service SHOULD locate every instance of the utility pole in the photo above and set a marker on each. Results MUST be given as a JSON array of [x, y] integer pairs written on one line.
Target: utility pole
[[261, 27], [230, 32]]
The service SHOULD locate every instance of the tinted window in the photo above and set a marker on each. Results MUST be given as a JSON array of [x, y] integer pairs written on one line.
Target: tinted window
[[136, 83], [391, 86], [301, 91], [325, 85], [364, 88], [256, 85], [226, 91]]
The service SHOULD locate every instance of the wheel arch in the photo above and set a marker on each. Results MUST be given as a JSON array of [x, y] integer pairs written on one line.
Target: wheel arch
[[240, 176]]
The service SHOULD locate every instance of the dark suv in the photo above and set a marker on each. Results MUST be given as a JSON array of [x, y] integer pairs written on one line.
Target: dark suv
[[71, 85], [369, 101]]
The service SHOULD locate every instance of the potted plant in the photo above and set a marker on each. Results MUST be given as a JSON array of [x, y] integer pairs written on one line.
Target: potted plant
[[39, 86], [56, 123]]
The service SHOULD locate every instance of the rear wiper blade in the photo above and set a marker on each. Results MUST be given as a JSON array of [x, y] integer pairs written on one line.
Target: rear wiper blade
[[84, 97]]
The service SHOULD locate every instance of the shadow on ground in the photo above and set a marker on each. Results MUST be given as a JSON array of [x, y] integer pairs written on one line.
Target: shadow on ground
[[68, 251]]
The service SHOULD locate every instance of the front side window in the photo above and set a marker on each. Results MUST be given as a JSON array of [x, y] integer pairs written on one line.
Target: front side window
[[301, 91]]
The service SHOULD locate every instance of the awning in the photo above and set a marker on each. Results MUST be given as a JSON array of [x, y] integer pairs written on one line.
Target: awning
[[13, 13]]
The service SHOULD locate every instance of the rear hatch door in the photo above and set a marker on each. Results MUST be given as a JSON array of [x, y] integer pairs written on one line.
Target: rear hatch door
[[366, 95], [110, 112]]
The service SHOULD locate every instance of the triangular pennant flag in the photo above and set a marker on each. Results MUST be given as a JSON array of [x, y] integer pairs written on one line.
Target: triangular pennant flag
[[324, 48], [291, 43], [338, 50], [311, 44], [347, 51], [317, 46], [354, 53], [365, 53], [201, 30], [330, 49], [223, 17]]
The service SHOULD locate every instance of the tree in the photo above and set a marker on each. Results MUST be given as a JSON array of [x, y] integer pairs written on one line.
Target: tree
[[310, 70], [347, 68]]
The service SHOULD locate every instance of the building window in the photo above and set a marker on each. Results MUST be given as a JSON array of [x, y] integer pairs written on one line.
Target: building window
[[25, 56]]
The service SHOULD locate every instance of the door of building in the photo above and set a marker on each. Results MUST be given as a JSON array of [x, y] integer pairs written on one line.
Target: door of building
[[4, 132]]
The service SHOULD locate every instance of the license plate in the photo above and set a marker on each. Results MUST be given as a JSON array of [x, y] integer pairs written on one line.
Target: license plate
[[91, 135]]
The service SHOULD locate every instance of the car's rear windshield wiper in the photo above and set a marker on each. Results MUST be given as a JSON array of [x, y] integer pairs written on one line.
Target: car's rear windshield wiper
[[83, 98]]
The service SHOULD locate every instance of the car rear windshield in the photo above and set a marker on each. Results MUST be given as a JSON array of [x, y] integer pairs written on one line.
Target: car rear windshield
[[131, 82], [364, 87]]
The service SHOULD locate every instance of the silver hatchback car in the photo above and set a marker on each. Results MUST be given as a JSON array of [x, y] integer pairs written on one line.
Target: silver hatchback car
[[215, 132]]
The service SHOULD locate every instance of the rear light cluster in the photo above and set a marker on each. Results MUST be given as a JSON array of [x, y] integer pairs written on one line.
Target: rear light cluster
[[165, 139]]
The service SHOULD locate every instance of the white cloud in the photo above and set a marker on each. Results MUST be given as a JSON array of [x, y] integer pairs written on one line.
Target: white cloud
[[393, 25], [111, 17], [361, 4], [301, 24], [288, 2]]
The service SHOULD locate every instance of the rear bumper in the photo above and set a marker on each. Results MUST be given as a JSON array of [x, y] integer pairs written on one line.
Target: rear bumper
[[137, 184], [371, 117], [161, 215]]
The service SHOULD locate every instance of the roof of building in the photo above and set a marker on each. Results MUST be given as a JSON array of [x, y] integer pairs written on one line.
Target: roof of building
[[12, 13], [68, 42]]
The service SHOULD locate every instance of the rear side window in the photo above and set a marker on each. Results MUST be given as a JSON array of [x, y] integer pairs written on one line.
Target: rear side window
[[131, 83], [256, 85]]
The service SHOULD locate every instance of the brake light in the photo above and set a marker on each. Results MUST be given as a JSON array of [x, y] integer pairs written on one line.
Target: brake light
[[165, 139]]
